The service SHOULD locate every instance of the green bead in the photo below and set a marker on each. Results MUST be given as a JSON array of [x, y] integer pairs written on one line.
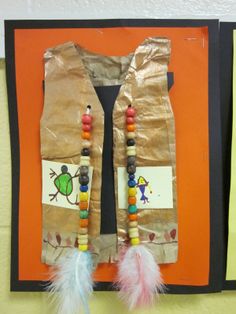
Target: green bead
[[132, 209], [83, 214]]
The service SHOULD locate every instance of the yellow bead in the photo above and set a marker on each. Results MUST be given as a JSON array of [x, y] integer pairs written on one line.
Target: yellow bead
[[83, 247], [134, 241], [83, 196], [132, 191]]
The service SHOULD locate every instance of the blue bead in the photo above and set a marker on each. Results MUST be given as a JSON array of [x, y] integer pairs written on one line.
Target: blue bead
[[132, 209], [131, 176], [83, 188], [131, 183]]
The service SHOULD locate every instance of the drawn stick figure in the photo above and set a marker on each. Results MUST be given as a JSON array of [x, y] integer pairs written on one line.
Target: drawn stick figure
[[142, 183]]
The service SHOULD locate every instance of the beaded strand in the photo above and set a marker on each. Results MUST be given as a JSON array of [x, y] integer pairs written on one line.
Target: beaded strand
[[131, 169], [84, 180]]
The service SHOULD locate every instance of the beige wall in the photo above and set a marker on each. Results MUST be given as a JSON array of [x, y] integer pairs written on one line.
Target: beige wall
[[101, 302]]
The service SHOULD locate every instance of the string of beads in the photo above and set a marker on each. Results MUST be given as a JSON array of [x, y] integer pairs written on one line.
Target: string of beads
[[131, 169], [84, 179]]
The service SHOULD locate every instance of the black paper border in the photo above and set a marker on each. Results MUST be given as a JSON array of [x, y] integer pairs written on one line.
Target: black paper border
[[216, 200], [226, 77]]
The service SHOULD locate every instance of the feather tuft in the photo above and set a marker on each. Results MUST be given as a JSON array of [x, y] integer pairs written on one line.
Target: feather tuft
[[71, 282], [139, 278]]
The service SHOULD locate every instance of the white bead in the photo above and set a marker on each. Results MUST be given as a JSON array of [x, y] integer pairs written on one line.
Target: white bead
[[84, 158], [131, 151], [86, 144], [130, 135], [82, 236], [83, 231], [131, 147], [133, 233], [84, 163], [133, 224], [83, 241]]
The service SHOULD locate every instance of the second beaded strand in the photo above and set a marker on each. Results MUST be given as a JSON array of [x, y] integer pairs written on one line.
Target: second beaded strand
[[131, 169]]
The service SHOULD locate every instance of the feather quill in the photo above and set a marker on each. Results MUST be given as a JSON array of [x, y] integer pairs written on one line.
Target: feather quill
[[139, 278], [71, 282]]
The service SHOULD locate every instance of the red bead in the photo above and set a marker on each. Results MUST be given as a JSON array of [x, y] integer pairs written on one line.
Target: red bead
[[86, 118], [130, 112], [130, 120], [86, 127]]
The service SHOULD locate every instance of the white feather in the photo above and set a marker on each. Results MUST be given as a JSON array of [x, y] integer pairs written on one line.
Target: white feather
[[139, 277], [71, 282]]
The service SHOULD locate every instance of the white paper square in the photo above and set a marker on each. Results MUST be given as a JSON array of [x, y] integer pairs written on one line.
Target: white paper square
[[52, 175], [154, 187]]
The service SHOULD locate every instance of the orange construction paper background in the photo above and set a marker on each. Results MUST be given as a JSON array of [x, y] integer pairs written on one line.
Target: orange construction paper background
[[189, 98]]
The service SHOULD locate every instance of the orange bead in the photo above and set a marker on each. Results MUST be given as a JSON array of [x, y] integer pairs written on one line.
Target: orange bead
[[86, 135], [132, 200], [130, 127], [83, 205], [133, 217], [83, 223]]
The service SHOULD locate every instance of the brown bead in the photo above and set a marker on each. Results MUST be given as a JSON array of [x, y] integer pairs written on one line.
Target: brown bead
[[131, 169]]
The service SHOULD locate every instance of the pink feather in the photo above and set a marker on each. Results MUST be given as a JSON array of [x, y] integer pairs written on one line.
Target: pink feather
[[139, 278]]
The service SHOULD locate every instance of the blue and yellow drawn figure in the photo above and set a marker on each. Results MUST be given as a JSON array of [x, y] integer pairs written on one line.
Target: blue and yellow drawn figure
[[142, 184]]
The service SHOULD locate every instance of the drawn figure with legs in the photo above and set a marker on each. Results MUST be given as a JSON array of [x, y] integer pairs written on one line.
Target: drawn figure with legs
[[142, 184]]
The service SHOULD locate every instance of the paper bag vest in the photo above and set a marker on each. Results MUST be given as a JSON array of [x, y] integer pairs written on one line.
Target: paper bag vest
[[75, 78]]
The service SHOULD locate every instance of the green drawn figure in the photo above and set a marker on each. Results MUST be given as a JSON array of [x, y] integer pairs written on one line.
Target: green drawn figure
[[63, 183]]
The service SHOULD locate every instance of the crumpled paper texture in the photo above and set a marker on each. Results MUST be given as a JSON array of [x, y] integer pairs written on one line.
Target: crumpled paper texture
[[71, 72], [146, 89]]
